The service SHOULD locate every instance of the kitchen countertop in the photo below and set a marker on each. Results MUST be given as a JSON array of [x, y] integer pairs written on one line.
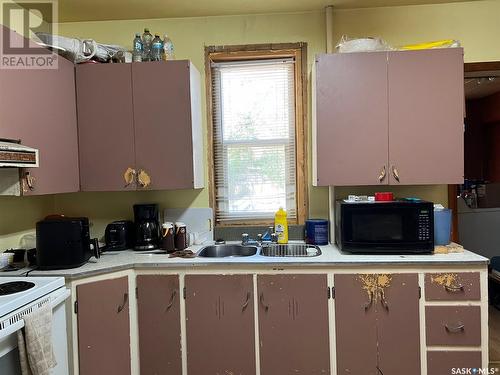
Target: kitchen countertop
[[331, 257]]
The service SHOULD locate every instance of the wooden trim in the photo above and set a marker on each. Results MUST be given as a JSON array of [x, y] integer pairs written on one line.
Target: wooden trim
[[210, 130], [452, 204], [265, 51], [481, 66]]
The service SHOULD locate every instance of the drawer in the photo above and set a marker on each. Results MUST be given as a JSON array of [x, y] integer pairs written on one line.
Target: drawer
[[453, 325], [441, 363], [463, 286]]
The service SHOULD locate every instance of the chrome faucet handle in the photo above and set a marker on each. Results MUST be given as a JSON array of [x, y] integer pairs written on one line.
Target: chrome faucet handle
[[259, 239], [274, 238], [244, 238]]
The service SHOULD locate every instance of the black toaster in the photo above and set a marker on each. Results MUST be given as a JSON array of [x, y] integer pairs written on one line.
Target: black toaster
[[119, 235]]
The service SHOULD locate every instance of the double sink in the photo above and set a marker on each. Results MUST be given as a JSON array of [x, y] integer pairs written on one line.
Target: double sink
[[267, 250]]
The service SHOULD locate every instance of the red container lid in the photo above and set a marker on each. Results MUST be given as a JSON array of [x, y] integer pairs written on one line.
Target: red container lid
[[384, 196]]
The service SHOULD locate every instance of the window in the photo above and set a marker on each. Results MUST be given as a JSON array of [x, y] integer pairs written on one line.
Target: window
[[257, 135]]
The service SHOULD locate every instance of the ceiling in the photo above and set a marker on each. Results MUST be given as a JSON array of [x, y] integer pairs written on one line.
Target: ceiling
[[101, 10]]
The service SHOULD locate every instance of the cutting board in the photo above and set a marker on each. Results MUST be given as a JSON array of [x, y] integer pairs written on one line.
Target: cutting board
[[197, 220]]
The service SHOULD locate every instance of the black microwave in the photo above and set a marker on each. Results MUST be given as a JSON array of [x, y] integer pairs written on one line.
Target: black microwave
[[394, 227]]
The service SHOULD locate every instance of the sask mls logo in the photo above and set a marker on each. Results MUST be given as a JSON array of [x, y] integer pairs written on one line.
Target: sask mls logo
[[474, 371], [21, 21]]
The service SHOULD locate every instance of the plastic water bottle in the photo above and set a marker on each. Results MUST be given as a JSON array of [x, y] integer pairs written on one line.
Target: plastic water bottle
[[156, 48], [147, 39], [168, 48], [137, 48]]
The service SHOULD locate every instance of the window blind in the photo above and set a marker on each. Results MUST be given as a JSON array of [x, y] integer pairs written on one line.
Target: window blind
[[254, 139]]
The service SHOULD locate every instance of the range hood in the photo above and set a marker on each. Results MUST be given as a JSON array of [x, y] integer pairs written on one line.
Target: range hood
[[15, 155]]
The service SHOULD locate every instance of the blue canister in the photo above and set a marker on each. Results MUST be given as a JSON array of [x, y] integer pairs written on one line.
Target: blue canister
[[442, 226], [317, 231]]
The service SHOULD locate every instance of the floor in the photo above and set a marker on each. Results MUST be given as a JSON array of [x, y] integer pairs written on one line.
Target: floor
[[494, 324]]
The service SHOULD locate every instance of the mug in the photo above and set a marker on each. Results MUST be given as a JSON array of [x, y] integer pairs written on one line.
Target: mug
[[167, 237], [181, 237]]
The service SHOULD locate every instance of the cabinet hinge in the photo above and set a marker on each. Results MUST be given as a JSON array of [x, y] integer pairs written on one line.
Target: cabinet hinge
[[328, 292], [184, 292], [75, 307], [419, 292], [333, 292], [136, 293]]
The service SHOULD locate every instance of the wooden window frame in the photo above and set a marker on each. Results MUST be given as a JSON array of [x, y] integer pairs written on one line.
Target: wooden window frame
[[298, 51]]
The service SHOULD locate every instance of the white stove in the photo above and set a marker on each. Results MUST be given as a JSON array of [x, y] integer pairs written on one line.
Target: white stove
[[20, 296], [16, 300]]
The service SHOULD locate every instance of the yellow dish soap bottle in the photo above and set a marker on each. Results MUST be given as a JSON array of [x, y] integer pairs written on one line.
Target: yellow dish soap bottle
[[281, 226]]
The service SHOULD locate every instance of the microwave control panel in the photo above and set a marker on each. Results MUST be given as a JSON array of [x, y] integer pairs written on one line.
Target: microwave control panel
[[424, 226]]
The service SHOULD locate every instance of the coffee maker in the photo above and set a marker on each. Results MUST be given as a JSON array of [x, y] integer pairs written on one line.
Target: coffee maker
[[147, 226]]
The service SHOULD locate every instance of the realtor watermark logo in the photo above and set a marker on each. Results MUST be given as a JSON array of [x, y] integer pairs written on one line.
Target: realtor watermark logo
[[475, 371], [26, 18]]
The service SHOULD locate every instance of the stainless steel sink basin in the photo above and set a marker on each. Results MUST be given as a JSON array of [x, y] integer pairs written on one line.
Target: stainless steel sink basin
[[291, 250], [223, 251]]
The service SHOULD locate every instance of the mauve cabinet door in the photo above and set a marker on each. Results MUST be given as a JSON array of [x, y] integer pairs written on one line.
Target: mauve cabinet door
[[38, 106], [220, 325], [293, 324], [426, 124], [158, 308], [105, 126], [355, 326], [162, 117], [351, 119], [398, 325], [103, 327]]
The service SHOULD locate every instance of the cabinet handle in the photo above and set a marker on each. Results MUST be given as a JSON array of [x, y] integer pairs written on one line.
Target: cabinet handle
[[395, 173], [381, 177], [171, 302], [129, 176], [143, 178], [455, 329], [29, 180], [454, 289], [264, 305], [122, 306], [247, 301], [383, 300], [370, 302]]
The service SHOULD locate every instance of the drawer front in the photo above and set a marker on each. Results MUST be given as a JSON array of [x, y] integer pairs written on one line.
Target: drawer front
[[453, 325], [442, 363], [463, 286]]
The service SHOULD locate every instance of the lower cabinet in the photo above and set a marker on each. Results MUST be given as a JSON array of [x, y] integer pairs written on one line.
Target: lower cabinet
[[377, 324], [103, 327], [277, 324], [443, 362], [293, 324], [158, 310], [220, 324]]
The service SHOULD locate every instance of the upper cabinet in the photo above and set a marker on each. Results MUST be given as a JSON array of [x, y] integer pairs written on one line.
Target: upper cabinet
[[139, 126], [38, 107], [389, 118], [105, 126], [426, 116]]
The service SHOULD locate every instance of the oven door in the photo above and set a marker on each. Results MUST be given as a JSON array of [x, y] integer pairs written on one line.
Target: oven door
[[9, 353], [386, 228]]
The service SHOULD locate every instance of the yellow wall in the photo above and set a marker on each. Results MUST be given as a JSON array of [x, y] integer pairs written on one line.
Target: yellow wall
[[475, 24]]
